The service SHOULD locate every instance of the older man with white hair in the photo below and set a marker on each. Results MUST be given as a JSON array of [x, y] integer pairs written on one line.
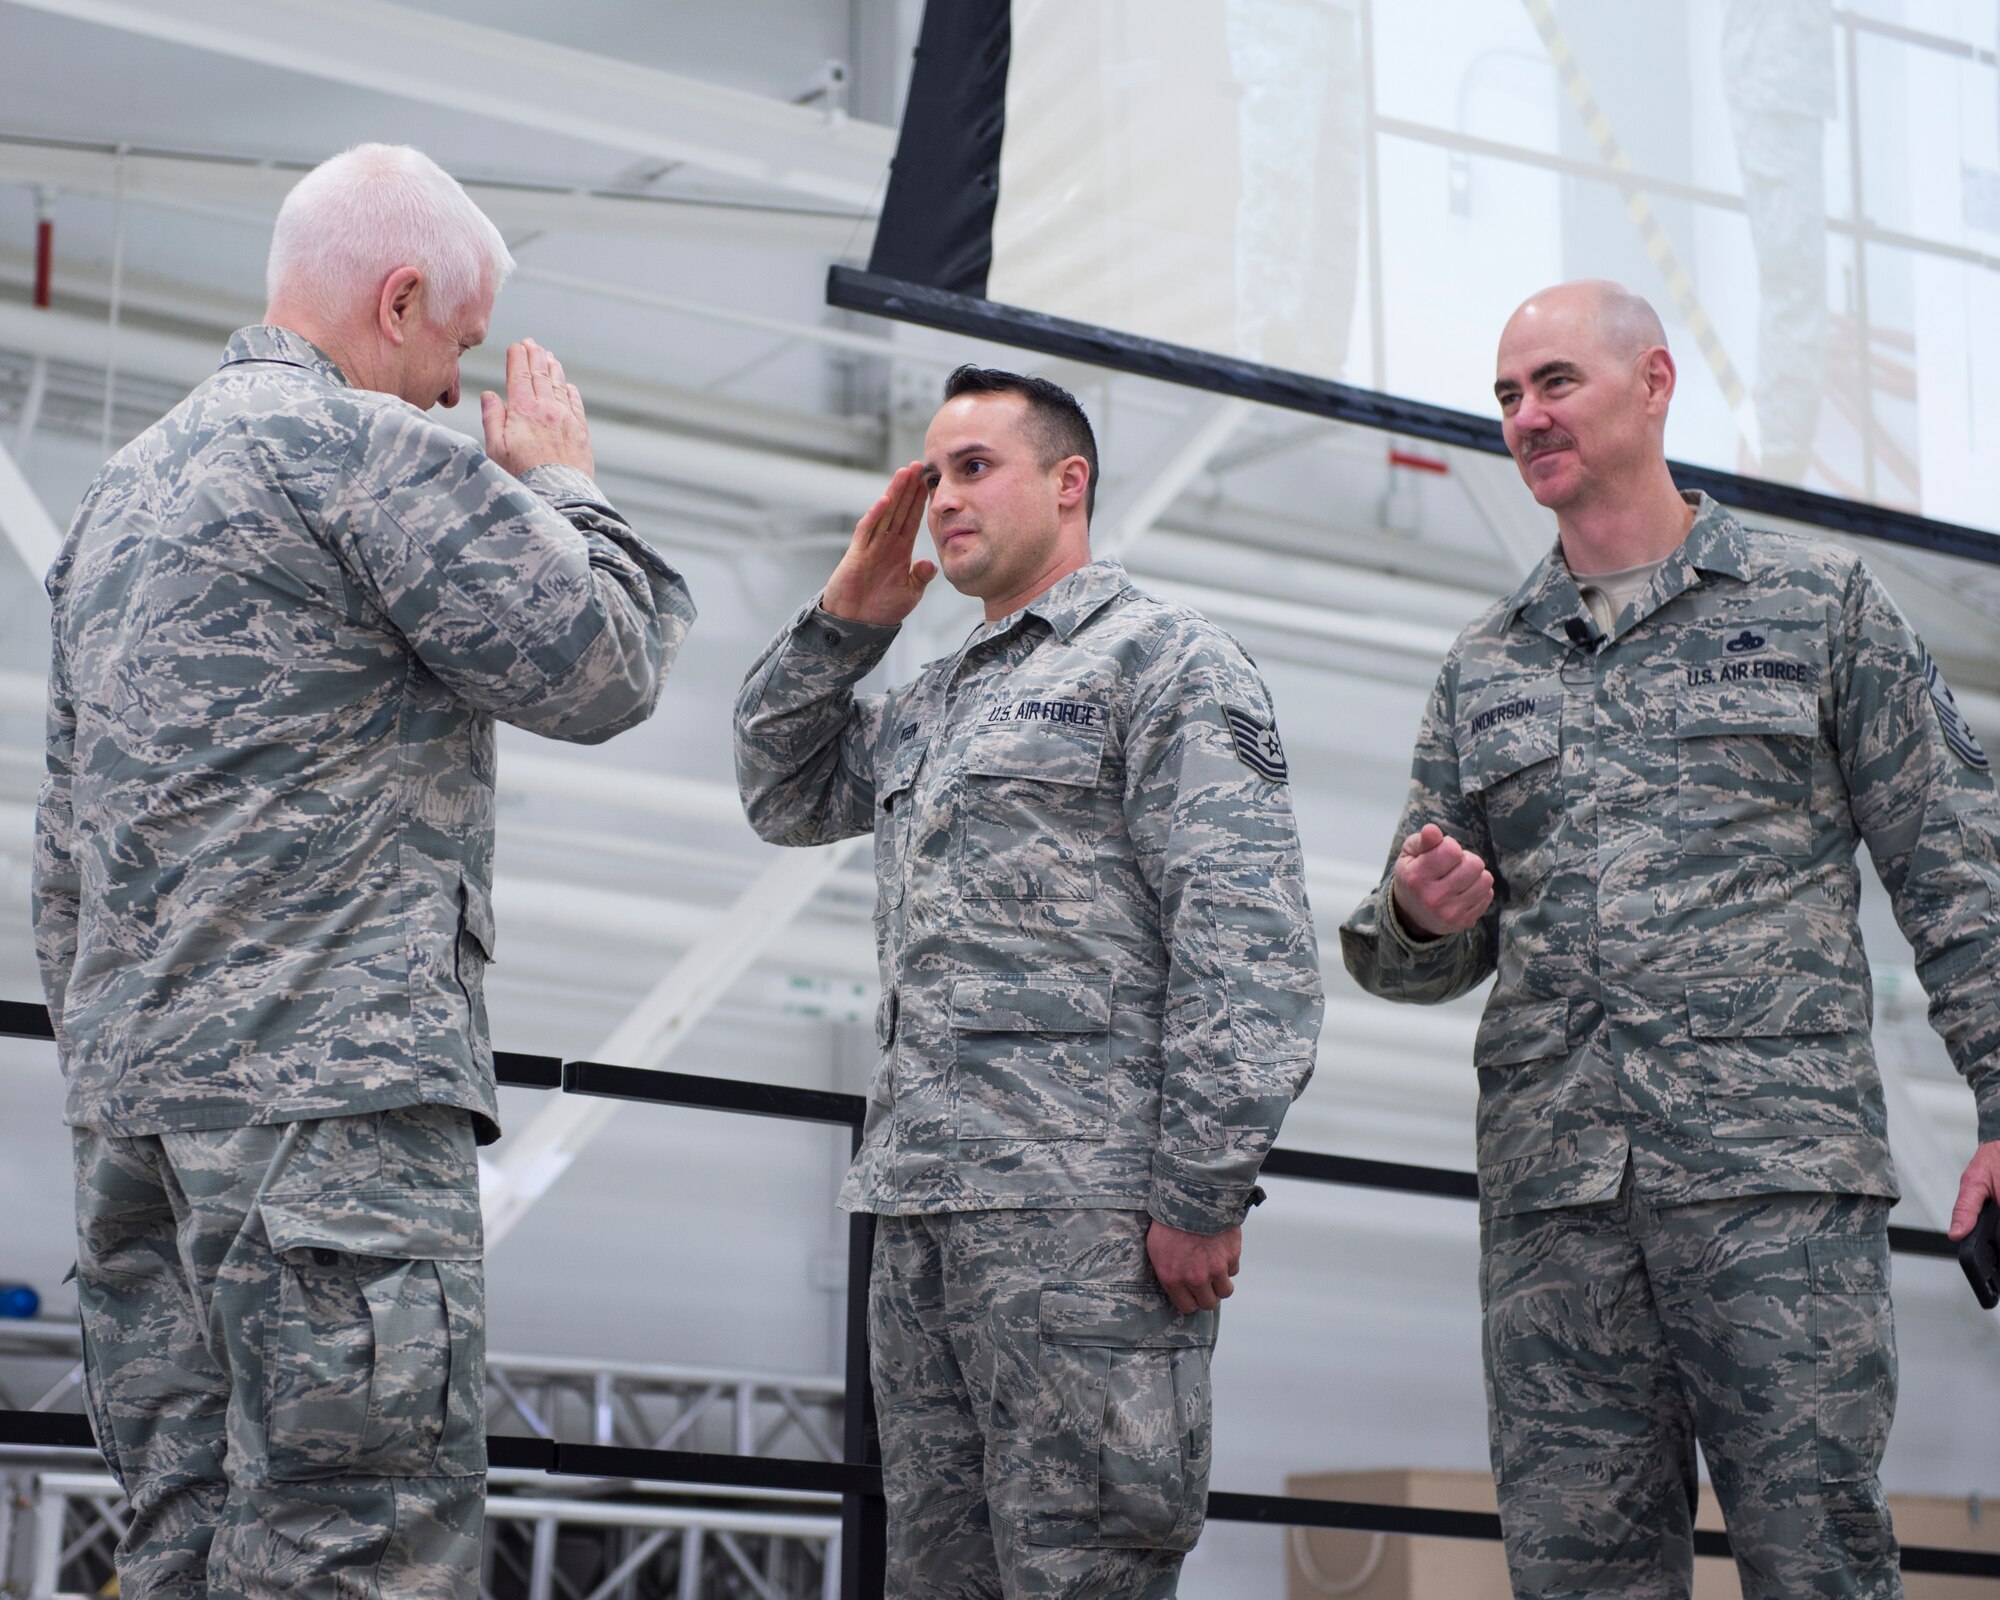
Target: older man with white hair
[[286, 618]]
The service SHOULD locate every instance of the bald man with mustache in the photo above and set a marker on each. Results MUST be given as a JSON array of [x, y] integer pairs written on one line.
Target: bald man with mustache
[[1637, 796]]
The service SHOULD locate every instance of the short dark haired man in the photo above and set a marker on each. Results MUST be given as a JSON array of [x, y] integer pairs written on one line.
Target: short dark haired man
[[1637, 794], [1100, 992]]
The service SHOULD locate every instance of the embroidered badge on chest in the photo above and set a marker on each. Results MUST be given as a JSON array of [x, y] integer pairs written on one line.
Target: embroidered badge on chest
[[1257, 745], [1951, 721], [1061, 713]]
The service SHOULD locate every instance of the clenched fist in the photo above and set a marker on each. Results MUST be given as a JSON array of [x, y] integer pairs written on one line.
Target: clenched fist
[[1441, 887]]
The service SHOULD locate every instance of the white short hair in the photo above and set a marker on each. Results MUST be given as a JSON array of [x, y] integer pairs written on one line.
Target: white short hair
[[357, 216]]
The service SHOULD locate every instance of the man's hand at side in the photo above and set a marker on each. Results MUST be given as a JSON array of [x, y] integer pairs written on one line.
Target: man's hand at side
[[540, 423], [1195, 1268], [1980, 1183], [876, 581], [1441, 887]]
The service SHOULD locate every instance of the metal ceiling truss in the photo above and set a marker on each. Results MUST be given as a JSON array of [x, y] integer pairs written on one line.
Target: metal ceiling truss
[[527, 82]]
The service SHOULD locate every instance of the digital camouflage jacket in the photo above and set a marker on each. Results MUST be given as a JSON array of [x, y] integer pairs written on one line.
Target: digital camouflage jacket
[[286, 617], [1100, 982], [1671, 816]]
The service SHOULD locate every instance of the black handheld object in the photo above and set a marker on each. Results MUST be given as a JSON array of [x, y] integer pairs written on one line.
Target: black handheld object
[[1979, 1254]]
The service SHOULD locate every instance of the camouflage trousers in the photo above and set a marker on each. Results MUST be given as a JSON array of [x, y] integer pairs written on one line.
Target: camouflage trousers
[[284, 1354], [1617, 1336], [1044, 1410]]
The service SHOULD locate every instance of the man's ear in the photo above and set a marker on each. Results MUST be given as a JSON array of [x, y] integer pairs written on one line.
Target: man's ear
[[1659, 376], [1072, 481], [400, 304]]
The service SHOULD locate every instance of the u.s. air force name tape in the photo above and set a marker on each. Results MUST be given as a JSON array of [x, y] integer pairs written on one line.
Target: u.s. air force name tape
[[1257, 745]]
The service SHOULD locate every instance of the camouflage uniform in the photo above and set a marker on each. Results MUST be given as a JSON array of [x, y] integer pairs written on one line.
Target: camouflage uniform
[[286, 617], [1100, 992], [1681, 1023]]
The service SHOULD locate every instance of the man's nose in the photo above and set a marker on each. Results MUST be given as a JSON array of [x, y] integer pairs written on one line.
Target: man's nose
[[1530, 418], [449, 398]]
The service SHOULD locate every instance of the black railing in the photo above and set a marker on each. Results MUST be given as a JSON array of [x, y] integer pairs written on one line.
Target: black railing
[[857, 1479]]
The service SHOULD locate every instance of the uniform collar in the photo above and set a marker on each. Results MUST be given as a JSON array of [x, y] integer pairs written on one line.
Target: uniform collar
[[281, 345], [1066, 605], [1549, 599], [1072, 601]]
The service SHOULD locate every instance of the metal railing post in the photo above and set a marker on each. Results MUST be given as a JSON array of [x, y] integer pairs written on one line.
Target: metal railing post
[[863, 1519]]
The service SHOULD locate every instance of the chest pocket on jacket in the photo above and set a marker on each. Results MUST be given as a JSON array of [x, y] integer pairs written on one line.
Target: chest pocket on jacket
[[1509, 768], [1745, 773], [1029, 814]]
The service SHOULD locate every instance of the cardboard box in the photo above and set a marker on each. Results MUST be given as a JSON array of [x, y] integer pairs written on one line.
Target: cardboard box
[[1325, 1564]]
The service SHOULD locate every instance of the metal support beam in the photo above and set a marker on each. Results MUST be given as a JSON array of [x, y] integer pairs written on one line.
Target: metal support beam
[[528, 82], [23, 519], [1156, 486], [536, 1157], [248, 191]]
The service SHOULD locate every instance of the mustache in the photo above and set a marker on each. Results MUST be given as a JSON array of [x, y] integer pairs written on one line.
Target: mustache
[[1543, 443]]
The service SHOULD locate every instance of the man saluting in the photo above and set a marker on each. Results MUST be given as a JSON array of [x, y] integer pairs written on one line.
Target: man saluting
[[1100, 992]]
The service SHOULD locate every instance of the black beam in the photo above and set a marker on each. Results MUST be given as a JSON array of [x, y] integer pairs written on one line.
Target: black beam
[[47, 1430], [520, 1071], [511, 1450], [854, 290], [69, 1431], [701, 1466], [19, 1020], [712, 1094], [1366, 1174]]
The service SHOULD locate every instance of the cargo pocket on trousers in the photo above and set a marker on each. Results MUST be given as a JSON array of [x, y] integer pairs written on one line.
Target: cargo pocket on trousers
[[374, 1354], [1854, 1355], [1125, 1412]]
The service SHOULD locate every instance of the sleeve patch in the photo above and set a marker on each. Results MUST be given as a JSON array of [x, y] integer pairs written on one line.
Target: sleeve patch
[[1951, 721], [1257, 745]]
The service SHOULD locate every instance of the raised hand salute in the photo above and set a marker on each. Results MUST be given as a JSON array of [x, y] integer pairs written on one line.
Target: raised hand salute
[[541, 422], [876, 580]]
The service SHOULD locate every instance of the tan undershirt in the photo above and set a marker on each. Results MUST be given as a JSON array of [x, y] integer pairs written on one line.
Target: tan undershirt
[[1609, 593]]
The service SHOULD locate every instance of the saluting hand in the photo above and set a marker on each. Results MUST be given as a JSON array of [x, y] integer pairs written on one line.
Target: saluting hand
[[876, 581], [1441, 887], [541, 422]]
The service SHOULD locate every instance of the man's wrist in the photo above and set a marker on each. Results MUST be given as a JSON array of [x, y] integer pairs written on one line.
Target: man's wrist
[[1404, 932]]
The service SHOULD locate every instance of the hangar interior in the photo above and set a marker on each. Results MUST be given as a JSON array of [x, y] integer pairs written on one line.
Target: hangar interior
[[674, 181]]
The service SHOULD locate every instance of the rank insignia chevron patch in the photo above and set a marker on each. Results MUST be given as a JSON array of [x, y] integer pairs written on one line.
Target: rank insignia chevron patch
[[1257, 745], [1951, 721]]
